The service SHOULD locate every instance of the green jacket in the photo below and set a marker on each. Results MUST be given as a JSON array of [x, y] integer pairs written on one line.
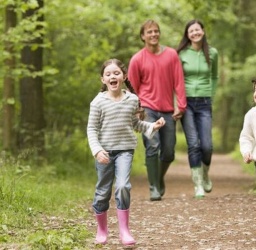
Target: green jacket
[[200, 79]]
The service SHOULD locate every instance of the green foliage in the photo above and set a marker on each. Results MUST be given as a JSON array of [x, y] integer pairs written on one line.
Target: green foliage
[[138, 165], [25, 33], [181, 144], [234, 99], [66, 238], [77, 40], [69, 154], [37, 199]]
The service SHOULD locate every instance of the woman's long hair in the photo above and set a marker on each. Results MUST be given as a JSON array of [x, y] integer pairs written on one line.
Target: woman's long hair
[[185, 42]]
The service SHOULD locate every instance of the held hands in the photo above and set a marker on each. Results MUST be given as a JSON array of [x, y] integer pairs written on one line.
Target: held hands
[[102, 157], [247, 157], [177, 114], [159, 123]]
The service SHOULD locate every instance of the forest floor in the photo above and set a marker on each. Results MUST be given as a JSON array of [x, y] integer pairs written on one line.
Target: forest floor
[[224, 220]]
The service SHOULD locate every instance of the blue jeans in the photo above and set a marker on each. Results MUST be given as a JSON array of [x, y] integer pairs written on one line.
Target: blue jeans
[[164, 140], [197, 126], [118, 168]]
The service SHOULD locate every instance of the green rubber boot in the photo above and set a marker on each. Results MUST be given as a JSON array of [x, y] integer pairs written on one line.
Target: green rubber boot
[[207, 182], [153, 177], [197, 177]]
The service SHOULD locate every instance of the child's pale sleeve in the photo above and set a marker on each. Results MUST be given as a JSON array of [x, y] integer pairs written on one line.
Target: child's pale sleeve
[[247, 139]]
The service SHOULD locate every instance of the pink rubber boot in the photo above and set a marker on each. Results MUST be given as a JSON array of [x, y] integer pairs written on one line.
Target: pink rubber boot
[[123, 221], [102, 230]]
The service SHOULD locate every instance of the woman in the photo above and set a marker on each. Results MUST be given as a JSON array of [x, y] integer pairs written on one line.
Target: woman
[[200, 66]]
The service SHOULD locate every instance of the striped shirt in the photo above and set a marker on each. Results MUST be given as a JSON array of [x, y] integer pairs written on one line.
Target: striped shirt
[[111, 124]]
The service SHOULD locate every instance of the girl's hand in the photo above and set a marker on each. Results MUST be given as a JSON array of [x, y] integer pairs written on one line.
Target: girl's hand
[[102, 157], [159, 123], [247, 157]]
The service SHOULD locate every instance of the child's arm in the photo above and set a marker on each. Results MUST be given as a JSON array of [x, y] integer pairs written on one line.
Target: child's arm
[[247, 157], [159, 123], [154, 127], [102, 157], [246, 139]]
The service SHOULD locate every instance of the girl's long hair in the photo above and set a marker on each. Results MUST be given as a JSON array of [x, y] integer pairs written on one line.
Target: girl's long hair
[[128, 84], [185, 42]]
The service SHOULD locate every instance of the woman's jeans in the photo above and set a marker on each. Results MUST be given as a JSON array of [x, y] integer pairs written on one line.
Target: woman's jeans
[[164, 140], [197, 126], [118, 168]]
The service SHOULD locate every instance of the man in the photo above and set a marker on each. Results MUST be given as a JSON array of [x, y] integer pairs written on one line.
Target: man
[[157, 77]]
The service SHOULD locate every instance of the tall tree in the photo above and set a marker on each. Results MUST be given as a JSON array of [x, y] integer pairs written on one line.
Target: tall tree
[[32, 123], [8, 85]]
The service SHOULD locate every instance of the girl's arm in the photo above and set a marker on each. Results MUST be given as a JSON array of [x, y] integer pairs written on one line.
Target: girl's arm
[[93, 130], [159, 123], [155, 126]]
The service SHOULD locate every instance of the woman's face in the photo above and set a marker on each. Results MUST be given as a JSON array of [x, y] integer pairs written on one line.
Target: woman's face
[[195, 33]]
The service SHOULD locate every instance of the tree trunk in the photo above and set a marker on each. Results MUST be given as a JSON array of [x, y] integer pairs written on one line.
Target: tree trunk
[[8, 88], [32, 121]]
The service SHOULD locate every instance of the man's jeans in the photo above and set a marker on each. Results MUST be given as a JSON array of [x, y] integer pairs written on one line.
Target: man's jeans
[[119, 168], [164, 140], [197, 126]]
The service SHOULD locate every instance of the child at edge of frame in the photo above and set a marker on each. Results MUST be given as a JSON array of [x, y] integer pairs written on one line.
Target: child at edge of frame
[[247, 139]]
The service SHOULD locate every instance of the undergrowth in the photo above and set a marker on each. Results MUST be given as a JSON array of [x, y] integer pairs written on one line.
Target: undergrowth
[[41, 209]]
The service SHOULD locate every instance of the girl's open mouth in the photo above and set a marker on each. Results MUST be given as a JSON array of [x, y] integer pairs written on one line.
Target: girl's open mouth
[[113, 83]]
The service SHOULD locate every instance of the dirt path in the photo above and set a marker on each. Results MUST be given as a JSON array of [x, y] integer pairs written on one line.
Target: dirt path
[[224, 220]]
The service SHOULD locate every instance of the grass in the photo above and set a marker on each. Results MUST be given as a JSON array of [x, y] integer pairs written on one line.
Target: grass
[[40, 210]]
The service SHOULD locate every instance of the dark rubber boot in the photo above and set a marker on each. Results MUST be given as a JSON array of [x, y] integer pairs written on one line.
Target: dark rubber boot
[[153, 177], [163, 169]]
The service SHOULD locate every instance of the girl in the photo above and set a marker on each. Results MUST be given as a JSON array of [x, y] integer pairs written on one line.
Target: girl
[[247, 138], [200, 66], [112, 119]]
